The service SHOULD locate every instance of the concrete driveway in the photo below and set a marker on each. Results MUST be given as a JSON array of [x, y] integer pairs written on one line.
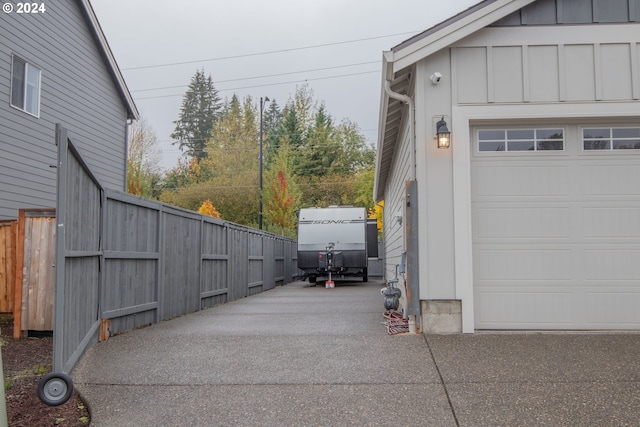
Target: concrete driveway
[[310, 356]]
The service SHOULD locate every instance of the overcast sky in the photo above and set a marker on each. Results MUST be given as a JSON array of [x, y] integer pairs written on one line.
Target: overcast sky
[[261, 48]]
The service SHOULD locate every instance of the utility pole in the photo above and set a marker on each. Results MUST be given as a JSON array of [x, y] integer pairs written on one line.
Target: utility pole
[[262, 102]]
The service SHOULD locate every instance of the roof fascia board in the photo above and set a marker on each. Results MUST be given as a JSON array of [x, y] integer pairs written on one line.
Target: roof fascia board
[[458, 29], [110, 59], [387, 72]]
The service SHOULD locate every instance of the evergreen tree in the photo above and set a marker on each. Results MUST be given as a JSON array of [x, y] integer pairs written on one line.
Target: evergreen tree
[[271, 121], [354, 154], [318, 154], [294, 122], [198, 113], [271, 118]]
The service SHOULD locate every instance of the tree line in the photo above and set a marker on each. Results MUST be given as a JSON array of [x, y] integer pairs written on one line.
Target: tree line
[[308, 158]]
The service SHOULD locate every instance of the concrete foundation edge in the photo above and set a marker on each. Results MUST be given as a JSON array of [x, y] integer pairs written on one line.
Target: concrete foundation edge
[[441, 316]]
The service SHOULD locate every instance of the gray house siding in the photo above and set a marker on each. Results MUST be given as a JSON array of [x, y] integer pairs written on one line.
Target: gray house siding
[[548, 12], [77, 90], [562, 64]]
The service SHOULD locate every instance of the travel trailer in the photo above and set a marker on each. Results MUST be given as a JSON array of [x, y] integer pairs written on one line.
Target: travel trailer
[[335, 241]]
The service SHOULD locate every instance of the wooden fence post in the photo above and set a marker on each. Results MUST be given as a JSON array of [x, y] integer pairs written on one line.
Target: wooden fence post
[[17, 304], [8, 231]]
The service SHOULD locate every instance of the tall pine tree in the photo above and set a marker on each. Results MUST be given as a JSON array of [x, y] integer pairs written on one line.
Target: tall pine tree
[[199, 111], [318, 154]]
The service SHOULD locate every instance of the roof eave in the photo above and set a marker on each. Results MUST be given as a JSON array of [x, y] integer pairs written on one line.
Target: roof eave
[[132, 110], [452, 30], [422, 46], [378, 190]]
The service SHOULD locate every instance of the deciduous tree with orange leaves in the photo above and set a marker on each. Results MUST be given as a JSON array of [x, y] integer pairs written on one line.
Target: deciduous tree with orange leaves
[[207, 208], [281, 193]]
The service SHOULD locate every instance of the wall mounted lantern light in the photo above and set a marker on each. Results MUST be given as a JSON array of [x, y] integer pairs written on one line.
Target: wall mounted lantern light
[[442, 134]]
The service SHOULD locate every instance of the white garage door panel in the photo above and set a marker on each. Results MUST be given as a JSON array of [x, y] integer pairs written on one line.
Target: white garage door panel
[[556, 239], [553, 309], [522, 264], [520, 180], [547, 307], [610, 179], [615, 309], [612, 264], [613, 221], [522, 222]]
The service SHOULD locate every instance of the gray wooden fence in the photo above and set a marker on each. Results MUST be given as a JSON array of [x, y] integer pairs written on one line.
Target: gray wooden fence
[[123, 262]]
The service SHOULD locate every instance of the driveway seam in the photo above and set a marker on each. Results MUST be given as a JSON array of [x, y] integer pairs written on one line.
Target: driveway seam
[[444, 386]]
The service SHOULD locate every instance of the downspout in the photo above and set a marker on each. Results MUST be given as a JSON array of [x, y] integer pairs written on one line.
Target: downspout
[[412, 116], [412, 176]]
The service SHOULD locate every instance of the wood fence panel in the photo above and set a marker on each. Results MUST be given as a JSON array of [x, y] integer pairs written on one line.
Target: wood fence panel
[[268, 263], [255, 256], [279, 260], [131, 251], [38, 278], [215, 286], [182, 263], [240, 264], [8, 260]]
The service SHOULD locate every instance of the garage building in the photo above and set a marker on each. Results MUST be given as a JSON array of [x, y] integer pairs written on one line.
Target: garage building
[[530, 217]]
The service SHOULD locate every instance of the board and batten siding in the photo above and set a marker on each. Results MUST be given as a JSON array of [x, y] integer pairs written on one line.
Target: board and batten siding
[[525, 64], [77, 90], [435, 181], [545, 12]]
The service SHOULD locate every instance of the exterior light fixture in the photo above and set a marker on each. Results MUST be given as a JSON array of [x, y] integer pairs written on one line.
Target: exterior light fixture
[[442, 134]]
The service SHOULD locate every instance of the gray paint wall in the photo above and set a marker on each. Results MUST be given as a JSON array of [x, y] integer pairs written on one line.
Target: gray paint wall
[[545, 12], [76, 90], [558, 64], [435, 181]]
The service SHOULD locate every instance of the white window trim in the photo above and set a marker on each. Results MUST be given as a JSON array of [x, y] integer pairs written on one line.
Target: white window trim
[[609, 150], [476, 142], [27, 67]]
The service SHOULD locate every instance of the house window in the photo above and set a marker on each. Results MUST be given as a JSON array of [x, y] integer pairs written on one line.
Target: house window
[[611, 139], [521, 140], [25, 86]]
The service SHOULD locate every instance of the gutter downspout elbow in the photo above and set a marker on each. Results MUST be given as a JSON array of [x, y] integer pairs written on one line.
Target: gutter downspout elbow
[[412, 116]]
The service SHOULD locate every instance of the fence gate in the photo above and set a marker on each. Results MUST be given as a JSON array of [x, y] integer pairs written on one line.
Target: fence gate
[[33, 308], [78, 255]]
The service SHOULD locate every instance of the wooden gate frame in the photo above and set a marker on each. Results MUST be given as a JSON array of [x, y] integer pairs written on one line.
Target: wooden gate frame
[[19, 275], [62, 361]]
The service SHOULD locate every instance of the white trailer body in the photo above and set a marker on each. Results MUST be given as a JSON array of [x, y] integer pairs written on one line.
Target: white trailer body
[[345, 228]]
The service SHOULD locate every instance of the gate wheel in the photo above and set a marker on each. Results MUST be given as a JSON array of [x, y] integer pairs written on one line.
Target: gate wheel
[[55, 388]]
